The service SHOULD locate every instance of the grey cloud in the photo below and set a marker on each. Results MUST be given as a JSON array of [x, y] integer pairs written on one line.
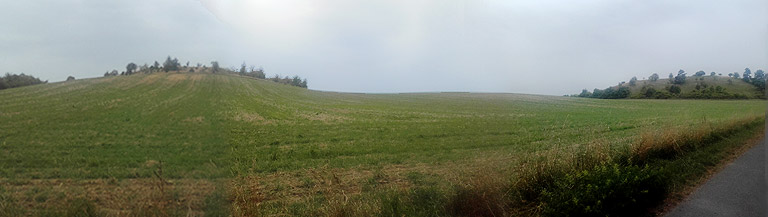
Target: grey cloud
[[544, 47]]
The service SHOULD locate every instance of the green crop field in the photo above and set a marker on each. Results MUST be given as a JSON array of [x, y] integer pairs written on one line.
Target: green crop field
[[211, 139]]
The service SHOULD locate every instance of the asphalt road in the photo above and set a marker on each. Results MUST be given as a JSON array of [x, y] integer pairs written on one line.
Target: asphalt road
[[738, 190]]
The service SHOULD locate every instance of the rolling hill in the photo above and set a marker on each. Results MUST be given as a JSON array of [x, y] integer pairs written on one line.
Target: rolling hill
[[731, 85], [217, 142]]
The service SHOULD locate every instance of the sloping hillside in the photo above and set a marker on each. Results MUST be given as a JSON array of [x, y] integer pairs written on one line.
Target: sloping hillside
[[730, 85], [112, 140]]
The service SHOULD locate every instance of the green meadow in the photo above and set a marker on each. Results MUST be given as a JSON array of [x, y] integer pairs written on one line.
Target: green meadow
[[244, 140]]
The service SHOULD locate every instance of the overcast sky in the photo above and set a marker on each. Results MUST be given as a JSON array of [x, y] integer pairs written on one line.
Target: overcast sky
[[550, 47]]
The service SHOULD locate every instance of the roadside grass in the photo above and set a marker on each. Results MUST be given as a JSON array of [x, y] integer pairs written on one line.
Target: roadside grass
[[253, 147], [597, 180], [631, 181]]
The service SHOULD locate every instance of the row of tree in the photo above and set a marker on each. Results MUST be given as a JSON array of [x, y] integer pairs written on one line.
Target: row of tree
[[252, 71], [170, 64], [173, 65], [680, 78], [702, 90], [607, 93], [13, 80], [757, 79]]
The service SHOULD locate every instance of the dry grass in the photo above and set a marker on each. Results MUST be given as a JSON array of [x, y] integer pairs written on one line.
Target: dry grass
[[131, 197], [252, 118], [128, 197], [198, 119], [667, 144], [480, 188]]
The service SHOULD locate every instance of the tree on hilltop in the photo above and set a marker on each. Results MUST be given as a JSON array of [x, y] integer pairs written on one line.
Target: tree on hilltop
[[747, 76], [303, 83], [654, 77], [215, 66], [130, 68], [20, 80], [296, 81], [680, 78], [633, 81], [759, 80], [171, 64], [260, 73], [585, 93], [144, 68], [155, 67]]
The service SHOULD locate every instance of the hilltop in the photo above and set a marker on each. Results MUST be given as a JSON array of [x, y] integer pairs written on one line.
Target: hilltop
[[731, 87], [228, 144], [699, 86]]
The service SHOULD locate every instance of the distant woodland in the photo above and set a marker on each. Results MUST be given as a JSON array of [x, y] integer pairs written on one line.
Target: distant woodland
[[13, 80], [174, 65], [700, 85]]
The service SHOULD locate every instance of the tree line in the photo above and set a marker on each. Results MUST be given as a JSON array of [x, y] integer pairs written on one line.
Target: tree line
[[701, 91], [13, 80], [174, 65]]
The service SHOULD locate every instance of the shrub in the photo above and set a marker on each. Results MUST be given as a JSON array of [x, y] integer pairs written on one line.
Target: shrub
[[674, 89], [420, 201], [649, 92], [14, 80], [709, 92], [610, 189], [611, 93], [82, 207], [585, 93], [662, 95], [654, 77]]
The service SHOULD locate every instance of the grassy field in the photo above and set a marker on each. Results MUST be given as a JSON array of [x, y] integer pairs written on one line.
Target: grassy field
[[203, 144]]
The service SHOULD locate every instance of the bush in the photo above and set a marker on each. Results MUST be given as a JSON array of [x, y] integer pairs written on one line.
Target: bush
[[420, 201], [82, 207], [14, 80], [649, 92], [674, 89], [654, 77], [604, 190], [611, 93], [662, 95], [584, 93], [709, 92]]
